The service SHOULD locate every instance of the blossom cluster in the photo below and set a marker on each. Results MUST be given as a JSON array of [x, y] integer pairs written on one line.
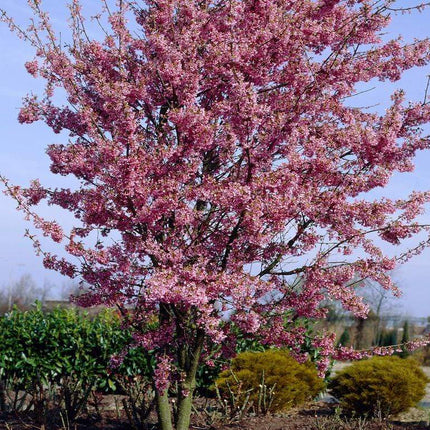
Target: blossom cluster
[[222, 175]]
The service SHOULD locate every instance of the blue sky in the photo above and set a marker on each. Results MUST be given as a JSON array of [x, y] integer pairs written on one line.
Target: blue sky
[[22, 152]]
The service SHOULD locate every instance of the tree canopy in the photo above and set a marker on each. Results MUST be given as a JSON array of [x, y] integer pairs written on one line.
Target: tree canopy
[[223, 173]]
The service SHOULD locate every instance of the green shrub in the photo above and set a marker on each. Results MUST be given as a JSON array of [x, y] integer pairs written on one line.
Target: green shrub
[[270, 373], [207, 374], [58, 358], [380, 385]]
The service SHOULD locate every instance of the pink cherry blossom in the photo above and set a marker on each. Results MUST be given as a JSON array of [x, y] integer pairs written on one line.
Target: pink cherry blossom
[[222, 174]]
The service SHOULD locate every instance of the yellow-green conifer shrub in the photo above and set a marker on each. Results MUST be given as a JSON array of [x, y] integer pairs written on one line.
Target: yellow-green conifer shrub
[[380, 385], [294, 383]]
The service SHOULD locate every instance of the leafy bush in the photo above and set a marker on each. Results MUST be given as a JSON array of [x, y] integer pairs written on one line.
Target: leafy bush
[[271, 373], [140, 399], [56, 359], [383, 385], [207, 374]]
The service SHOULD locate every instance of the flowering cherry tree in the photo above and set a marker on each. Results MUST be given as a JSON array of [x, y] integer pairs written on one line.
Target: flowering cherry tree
[[222, 169]]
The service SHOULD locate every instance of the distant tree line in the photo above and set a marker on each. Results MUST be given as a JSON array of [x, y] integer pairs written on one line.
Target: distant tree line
[[24, 291]]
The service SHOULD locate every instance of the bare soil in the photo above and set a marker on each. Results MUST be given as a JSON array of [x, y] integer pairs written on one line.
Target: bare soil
[[314, 416], [320, 415]]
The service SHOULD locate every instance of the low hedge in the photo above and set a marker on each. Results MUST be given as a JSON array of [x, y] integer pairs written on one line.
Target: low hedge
[[58, 358]]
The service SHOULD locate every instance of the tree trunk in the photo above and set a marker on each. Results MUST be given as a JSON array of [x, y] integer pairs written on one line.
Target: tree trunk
[[163, 410], [186, 389], [188, 363], [184, 409]]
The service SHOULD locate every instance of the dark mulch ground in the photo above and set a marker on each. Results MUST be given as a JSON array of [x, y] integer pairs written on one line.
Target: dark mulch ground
[[316, 416]]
